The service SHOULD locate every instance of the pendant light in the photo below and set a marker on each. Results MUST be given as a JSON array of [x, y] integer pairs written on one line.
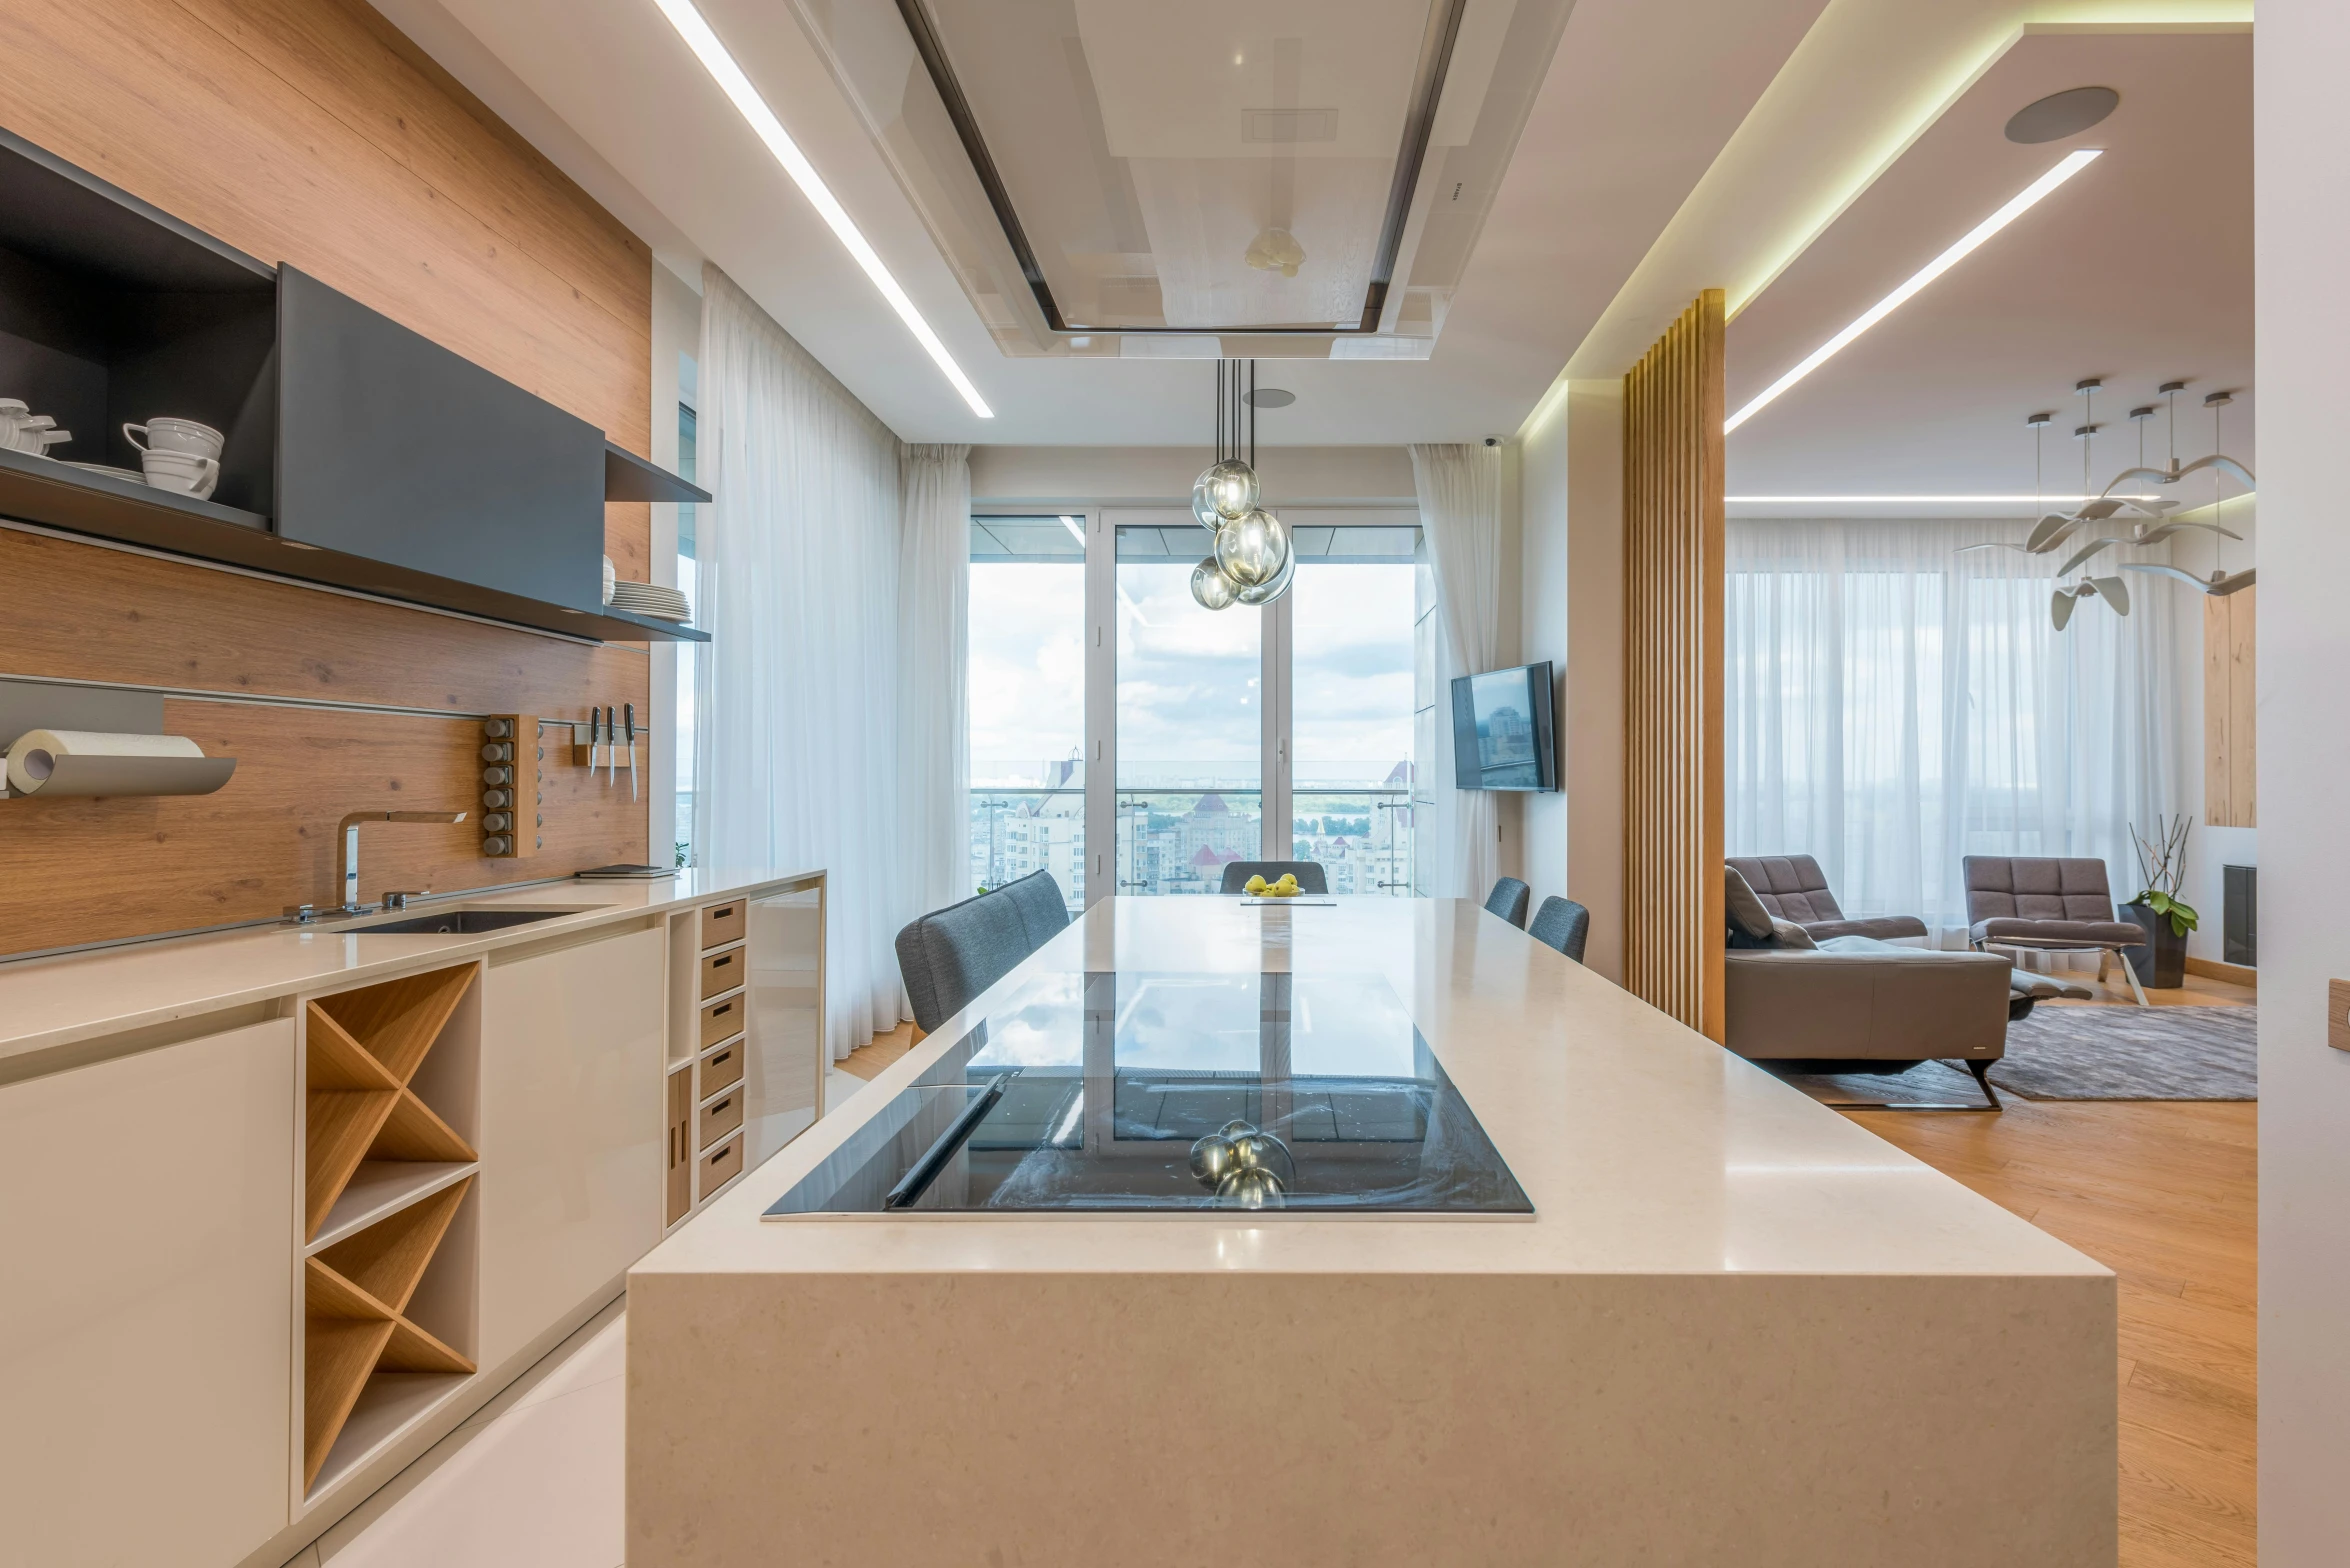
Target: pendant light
[[1251, 562]]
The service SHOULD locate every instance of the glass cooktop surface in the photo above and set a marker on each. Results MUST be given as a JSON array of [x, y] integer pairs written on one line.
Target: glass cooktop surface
[[1171, 1092]]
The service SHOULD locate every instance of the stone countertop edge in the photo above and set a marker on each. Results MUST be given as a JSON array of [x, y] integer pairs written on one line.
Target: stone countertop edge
[[48, 1003]]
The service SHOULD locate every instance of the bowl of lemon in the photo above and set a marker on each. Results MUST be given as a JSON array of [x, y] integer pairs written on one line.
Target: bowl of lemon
[[1258, 887]]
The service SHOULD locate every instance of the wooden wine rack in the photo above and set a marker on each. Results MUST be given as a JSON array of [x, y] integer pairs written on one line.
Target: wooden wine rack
[[364, 1050]]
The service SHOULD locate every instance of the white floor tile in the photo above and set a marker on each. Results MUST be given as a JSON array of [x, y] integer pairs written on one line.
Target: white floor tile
[[538, 1486]]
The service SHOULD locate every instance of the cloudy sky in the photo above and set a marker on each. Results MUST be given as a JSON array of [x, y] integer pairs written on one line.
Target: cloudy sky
[[1188, 680]]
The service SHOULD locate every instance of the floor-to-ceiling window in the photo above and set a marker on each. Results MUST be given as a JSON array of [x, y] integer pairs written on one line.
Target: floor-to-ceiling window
[[1027, 701], [687, 662], [1190, 718], [1352, 610]]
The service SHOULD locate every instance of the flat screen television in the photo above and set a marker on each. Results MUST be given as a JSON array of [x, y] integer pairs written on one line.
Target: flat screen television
[[1501, 730]]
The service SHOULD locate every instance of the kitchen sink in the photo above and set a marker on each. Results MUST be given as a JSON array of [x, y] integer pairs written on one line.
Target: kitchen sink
[[462, 922]]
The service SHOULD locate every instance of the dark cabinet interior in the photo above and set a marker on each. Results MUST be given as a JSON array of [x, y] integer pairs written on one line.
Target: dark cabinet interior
[[357, 453]]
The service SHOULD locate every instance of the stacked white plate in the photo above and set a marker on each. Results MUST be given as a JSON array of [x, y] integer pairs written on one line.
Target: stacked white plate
[[662, 604]]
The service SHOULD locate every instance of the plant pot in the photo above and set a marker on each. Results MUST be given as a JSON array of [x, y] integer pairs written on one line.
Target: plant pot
[[2162, 962]]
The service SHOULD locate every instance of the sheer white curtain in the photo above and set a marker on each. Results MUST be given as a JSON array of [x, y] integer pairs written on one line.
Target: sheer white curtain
[[1459, 485], [1893, 705], [798, 704], [934, 594]]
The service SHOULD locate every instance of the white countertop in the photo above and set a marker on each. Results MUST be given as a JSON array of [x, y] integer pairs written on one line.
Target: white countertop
[[51, 1002], [1644, 1147]]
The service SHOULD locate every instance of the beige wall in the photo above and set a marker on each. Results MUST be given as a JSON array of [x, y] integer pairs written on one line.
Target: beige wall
[[1571, 573]]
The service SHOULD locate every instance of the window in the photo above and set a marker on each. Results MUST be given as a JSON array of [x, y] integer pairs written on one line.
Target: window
[[1353, 625], [687, 663], [1190, 716], [1027, 701]]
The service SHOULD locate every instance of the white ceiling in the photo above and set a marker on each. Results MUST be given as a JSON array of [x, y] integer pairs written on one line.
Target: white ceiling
[[1640, 100], [2138, 271]]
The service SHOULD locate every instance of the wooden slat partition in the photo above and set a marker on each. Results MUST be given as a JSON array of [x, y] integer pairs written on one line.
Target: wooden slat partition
[[309, 132], [2230, 733], [1673, 587]]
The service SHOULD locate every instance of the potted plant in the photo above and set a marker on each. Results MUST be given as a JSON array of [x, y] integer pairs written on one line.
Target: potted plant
[[2162, 963]]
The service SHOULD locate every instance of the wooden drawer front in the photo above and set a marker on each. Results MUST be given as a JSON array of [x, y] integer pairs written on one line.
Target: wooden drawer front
[[723, 972], [722, 1069], [677, 1185], [720, 1117], [722, 923], [721, 1166], [720, 1019]]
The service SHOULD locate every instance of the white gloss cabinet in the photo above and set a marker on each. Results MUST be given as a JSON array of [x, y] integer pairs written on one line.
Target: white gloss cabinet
[[146, 1385], [572, 1050], [783, 1067]]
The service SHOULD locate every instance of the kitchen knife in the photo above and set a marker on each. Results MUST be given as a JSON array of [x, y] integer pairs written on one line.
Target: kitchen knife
[[611, 746], [628, 721]]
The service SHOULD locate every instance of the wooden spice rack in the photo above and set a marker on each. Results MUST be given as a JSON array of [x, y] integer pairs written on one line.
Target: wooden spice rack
[[387, 1179]]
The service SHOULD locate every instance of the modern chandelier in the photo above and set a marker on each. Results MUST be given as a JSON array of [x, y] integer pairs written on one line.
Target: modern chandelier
[[1251, 562]]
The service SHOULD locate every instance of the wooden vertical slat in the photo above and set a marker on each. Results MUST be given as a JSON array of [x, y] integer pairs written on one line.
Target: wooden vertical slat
[[1673, 630], [2230, 626]]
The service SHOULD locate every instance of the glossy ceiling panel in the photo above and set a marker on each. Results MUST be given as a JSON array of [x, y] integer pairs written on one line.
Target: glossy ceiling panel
[[1289, 172]]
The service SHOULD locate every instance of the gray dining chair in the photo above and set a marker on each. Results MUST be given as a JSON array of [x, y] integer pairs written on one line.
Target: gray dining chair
[[950, 955], [1309, 874], [1508, 900], [1564, 924]]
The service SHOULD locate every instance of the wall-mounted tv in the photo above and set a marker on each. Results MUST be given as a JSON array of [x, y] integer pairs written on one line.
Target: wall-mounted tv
[[1501, 730]]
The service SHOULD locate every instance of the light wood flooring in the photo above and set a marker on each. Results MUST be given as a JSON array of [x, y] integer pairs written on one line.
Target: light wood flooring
[[2162, 1193], [867, 1060]]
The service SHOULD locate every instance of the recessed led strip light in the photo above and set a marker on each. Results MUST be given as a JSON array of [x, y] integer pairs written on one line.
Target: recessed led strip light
[[730, 79], [1925, 500], [2025, 201]]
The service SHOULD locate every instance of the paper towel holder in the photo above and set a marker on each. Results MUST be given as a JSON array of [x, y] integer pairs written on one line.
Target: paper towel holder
[[29, 705]]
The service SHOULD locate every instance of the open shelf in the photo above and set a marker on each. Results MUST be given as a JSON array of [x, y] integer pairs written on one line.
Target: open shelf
[[392, 1070], [387, 1405]]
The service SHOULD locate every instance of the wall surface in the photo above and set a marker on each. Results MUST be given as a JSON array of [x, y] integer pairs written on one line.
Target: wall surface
[[2301, 231], [1571, 522], [307, 132]]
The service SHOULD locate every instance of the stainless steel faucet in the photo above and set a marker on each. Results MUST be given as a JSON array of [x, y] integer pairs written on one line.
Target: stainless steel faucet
[[347, 857]]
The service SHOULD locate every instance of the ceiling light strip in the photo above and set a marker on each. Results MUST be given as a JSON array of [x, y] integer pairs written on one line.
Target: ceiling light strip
[[729, 76], [1924, 500], [2030, 197]]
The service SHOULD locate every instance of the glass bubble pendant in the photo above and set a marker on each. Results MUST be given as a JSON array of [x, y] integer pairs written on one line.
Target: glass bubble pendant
[[1225, 492], [1251, 549], [1273, 587], [1211, 587]]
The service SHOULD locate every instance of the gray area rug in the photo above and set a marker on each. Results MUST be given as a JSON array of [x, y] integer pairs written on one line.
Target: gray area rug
[[2086, 1053]]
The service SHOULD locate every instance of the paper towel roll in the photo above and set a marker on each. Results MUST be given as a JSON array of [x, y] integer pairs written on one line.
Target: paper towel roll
[[33, 758]]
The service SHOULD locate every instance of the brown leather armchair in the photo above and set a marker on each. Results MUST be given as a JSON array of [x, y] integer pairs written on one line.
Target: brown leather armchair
[[1793, 887]]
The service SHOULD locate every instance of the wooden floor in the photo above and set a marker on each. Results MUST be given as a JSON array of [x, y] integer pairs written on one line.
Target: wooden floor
[[2162, 1193], [867, 1060]]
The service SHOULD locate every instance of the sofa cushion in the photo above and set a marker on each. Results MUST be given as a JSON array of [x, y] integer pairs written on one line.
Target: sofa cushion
[[2002, 887], [2060, 933], [1793, 887], [1745, 912], [1786, 933], [1882, 927]]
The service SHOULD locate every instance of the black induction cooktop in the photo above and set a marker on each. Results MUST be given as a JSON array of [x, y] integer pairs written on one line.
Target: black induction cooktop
[[1151, 1092]]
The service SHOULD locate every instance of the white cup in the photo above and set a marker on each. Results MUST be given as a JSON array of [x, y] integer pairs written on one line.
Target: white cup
[[185, 472], [175, 435]]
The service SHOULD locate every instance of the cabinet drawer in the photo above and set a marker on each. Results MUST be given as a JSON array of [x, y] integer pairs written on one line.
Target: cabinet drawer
[[721, 1166], [722, 923], [720, 1019], [722, 1069], [720, 1117], [723, 972]]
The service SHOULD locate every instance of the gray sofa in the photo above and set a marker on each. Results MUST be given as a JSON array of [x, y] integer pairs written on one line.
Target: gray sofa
[[1793, 887], [1858, 1004]]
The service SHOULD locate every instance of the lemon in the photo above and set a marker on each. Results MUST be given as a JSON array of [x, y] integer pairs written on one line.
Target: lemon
[[1256, 885]]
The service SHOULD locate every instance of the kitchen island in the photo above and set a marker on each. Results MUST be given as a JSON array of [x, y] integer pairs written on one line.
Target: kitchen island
[[1733, 1327]]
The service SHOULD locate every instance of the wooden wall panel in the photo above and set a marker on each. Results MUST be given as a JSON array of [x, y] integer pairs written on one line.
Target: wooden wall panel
[[1673, 649], [2230, 732], [306, 132]]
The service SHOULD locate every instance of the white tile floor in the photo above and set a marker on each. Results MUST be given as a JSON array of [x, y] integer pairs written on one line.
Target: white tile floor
[[534, 1480]]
